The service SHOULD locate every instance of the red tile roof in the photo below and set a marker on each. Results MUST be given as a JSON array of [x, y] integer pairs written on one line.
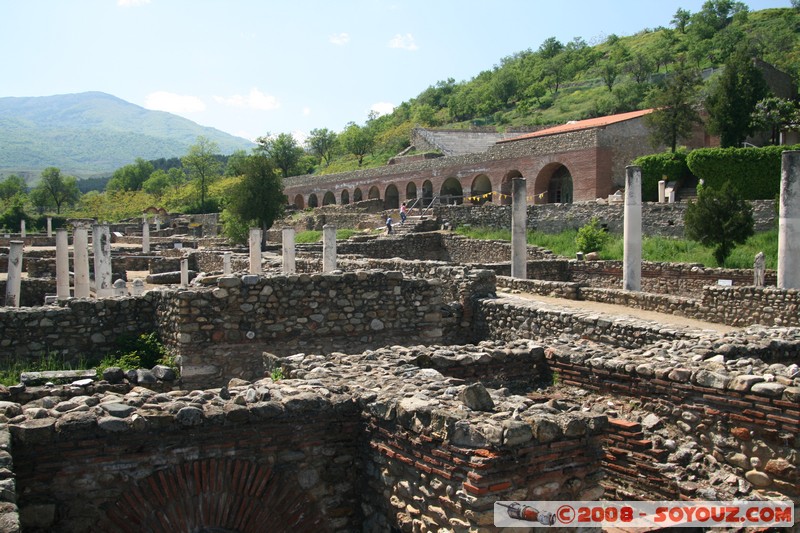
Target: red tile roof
[[598, 122]]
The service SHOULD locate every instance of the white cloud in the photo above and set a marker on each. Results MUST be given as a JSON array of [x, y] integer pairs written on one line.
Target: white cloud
[[174, 103], [300, 137], [306, 111], [382, 108], [404, 42], [339, 39], [132, 3], [254, 100]]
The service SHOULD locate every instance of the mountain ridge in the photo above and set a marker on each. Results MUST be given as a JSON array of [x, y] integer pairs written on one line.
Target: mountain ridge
[[93, 133]]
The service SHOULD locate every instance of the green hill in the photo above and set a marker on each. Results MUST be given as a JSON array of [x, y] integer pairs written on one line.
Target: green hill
[[93, 133]]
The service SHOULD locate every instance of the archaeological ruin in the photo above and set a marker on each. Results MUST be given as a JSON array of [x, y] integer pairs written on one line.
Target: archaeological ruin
[[400, 382]]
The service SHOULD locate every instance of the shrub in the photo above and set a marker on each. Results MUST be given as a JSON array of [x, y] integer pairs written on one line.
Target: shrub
[[591, 237], [719, 218], [755, 172], [657, 167]]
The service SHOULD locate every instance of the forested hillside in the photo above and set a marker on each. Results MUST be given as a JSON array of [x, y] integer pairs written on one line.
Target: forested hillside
[[93, 133], [557, 82]]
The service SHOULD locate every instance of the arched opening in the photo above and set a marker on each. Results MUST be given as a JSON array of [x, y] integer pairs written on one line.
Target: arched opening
[[345, 197], [559, 188], [299, 203], [374, 193], [481, 190], [357, 196], [411, 192], [451, 192], [312, 200], [255, 495], [427, 193], [391, 198], [505, 187], [329, 199]]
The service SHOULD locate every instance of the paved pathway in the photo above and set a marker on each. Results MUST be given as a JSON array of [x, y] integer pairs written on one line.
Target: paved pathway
[[620, 310]]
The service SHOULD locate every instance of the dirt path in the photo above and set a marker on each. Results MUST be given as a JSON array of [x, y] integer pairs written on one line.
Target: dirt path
[[619, 310]]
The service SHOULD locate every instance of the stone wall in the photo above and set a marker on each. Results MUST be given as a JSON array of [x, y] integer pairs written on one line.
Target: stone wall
[[189, 462], [74, 328], [221, 332], [32, 291], [657, 219]]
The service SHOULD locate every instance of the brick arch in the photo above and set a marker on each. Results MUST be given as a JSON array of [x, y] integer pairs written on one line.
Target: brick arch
[[411, 191], [542, 182], [345, 198], [329, 198], [391, 197], [480, 187], [505, 186], [374, 193], [357, 195], [299, 202], [228, 495]]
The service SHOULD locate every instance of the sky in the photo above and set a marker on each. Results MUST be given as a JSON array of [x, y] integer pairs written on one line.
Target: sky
[[259, 67]]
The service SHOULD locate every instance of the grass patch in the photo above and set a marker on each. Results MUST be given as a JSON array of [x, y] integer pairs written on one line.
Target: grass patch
[[308, 237], [661, 249], [10, 375]]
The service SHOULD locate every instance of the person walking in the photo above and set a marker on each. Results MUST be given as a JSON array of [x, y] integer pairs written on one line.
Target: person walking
[[389, 226], [403, 213]]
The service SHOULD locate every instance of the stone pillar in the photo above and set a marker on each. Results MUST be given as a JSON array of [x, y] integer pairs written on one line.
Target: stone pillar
[[14, 279], [662, 190], [255, 251], [80, 259], [138, 287], [146, 238], [328, 248], [120, 288], [62, 264], [184, 272], [226, 263], [288, 251], [22, 228], [519, 238], [632, 234], [158, 224], [789, 222], [101, 243], [49, 227]]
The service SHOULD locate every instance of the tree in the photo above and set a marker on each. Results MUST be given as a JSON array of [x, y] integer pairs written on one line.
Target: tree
[[258, 198], [130, 177], [161, 180], [12, 186], [202, 167], [681, 19], [357, 140], [719, 218], [55, 190], [733, 98], [235, 164], [775, 114], [283, 151], [676, 108]]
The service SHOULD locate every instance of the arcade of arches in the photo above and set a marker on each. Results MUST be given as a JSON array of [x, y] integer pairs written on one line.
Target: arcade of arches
[[552, 184]]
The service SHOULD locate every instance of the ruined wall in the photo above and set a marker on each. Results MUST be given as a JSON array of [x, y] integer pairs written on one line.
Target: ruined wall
[[221, 332], [32, 291], [74, 328], [657, 219], [189, 462]]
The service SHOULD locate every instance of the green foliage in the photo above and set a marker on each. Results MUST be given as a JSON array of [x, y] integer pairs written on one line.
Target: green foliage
[[322, 143], [357, 140], [257, 198], [676, 112], [774, 115], [55, 190], [283, 153], [591, 237], [308, 237], [755, 172], [11, 371], [131, 177], [733, 97], [202, 168], [719, 218], [236, 230], [666, 166], [277, 374], [143, 351]]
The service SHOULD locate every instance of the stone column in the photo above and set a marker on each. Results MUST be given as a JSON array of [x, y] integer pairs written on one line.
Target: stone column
[[226, 263], [519, 241], [789, 222], [662, 190], [101, 243], [22, 228], [184, 272], [62, 264], [328, 248], [255, 251], [138, 287], [14, 279], [288, 251], [49, 227], [158, 224], [120, 288], [80, 259], [146, 238], [632, 234]]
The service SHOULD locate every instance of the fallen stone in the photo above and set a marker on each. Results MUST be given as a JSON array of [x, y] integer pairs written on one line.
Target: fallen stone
[[476, 397]]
